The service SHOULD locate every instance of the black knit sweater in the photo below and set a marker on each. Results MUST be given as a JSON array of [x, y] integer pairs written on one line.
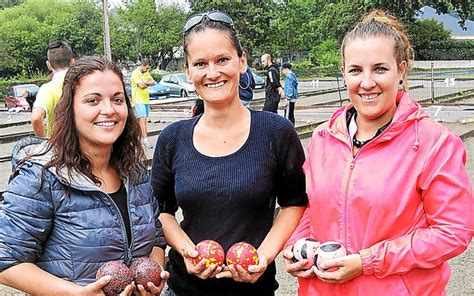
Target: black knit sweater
[[228, 199]]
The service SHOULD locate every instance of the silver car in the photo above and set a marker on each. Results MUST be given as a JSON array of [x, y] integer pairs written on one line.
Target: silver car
[[178, 84]]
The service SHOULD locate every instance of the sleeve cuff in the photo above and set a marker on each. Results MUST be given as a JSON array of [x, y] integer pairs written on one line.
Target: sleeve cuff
[[366, 255]]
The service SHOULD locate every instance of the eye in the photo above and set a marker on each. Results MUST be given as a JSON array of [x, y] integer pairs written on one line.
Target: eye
[[92, 101], [199, 64], [381, 69], [223, 60], [119, 100], [354, 70]]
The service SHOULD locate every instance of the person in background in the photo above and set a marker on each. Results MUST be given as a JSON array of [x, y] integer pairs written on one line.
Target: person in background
[[82, 197], [383, 179], [246, 86], [60, 57], [141, 80], [291, 90], [273, 90], [225, 169]]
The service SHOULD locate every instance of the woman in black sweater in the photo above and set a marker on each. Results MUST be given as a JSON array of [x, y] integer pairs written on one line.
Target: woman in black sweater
[[226, 170]]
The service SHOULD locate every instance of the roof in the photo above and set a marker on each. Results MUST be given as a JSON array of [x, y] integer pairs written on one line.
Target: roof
[[450, 22]]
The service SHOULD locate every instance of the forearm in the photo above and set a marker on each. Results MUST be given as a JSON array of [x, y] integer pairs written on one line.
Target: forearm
[[175, 237], [283, 226], [158, 255], [38, 127], [31, 279]]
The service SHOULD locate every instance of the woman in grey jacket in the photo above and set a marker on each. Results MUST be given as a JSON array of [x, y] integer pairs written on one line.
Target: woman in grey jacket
[[81, 198]]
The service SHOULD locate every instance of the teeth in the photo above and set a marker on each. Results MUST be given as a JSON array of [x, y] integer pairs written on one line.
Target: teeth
[[108, 123], [368, 97], [216, 84]]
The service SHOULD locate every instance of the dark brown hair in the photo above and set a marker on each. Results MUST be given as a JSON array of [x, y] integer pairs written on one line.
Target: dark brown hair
[[380, 23], [127, 153], [59, 54]]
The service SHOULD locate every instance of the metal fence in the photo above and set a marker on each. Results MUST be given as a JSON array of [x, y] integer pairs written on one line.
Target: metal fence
[[436, 81]]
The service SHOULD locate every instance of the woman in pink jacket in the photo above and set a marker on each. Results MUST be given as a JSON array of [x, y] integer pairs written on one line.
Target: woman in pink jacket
[[383, 179]]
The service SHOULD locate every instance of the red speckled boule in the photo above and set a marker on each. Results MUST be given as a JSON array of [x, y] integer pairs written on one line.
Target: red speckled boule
[[121, 277], [145, 270], [243, 254], [211, 251]]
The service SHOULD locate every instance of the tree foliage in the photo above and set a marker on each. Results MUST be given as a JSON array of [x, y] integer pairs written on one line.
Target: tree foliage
[[26, 30]]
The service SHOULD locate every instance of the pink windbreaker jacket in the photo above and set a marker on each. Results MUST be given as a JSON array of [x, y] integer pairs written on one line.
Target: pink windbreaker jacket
[[404, 202]]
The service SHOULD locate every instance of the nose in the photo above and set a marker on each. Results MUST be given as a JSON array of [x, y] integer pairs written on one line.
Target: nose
[[212, 72], [107, 108], [367, 81]]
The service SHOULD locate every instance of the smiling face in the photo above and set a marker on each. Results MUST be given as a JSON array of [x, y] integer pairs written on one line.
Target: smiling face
[[99, 110], [372, 76], [214, 66]]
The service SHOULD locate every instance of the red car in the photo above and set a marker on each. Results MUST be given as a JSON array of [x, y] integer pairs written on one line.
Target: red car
[[22, 95]]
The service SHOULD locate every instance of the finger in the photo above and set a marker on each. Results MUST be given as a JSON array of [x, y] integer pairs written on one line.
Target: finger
[[127, 291], [244, 275], [287, 254], [141, 290], [306, 274], [153, 289], [208, 271], [298, 266], [164, 276], [224, 274], [198, 268], [190, 252], [330, 263], [100, 283], [216, 271]]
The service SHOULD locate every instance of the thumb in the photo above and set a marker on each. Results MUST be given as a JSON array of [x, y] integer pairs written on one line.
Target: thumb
[[190, 252], [100, 283]]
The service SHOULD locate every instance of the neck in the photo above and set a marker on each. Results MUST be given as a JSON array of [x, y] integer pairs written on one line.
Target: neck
[[366, 128], [99, 157], [224, 116]]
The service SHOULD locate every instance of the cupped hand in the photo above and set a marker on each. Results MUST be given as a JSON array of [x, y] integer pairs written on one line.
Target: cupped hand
[[349, 267], [95, 288], [152, 289], [200, 270], [239, 274], [296, 269]]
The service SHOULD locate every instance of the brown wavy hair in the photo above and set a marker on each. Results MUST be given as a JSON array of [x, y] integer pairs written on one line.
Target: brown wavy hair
[[381, 23], [127, 157]]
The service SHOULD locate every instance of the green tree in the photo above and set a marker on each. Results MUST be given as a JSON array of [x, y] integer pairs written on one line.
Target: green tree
[[144, 30], [252, 20], [26, 30], [423, 32]]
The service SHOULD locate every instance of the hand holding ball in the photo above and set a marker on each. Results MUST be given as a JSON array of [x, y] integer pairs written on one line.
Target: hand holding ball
[[211, 251], [243, 254], [121, 277], [329, 250], [305, 248]]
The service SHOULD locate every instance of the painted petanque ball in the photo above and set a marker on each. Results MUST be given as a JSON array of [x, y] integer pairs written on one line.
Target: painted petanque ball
[[329, 250], [305, 248], [121, 277], [243, 254], [145, 270], [211, 251]]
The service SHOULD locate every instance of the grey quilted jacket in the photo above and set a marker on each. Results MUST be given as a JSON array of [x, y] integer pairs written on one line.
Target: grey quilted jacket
[[69, 226]]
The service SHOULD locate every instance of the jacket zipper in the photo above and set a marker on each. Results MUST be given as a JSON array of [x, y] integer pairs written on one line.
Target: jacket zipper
[[128, 253]]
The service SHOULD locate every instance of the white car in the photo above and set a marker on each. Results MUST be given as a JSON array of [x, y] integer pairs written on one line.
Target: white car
[[178, 84]]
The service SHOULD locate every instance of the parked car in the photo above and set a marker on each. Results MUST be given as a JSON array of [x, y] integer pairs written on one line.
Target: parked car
[[259, 81], [17, 97], [157, 91], [179, 85]]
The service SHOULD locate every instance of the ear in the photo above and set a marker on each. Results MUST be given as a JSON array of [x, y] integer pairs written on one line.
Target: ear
[[48, 64], [341, 68], [243, 63], [402, 68]]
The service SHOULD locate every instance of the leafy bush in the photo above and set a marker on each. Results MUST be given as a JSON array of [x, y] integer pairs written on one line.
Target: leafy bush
[[447, 50]]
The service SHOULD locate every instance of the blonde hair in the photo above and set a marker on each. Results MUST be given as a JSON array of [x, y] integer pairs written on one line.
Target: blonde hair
[[381, 23]]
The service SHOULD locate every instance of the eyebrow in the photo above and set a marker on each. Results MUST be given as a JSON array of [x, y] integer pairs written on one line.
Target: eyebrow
[[100, 95]]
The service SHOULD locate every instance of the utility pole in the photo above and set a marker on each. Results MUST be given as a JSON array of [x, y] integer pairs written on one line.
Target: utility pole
[[105, 17]]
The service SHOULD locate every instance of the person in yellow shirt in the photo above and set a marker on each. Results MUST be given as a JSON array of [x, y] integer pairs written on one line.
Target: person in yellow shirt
[[60, 57], [141, 80]]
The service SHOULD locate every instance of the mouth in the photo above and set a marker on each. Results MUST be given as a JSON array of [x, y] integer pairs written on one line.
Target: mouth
[[215, 85], [368, 97], [105, 123]]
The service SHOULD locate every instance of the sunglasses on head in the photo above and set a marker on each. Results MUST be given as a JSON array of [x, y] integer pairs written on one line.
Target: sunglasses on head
[[215, 16]]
